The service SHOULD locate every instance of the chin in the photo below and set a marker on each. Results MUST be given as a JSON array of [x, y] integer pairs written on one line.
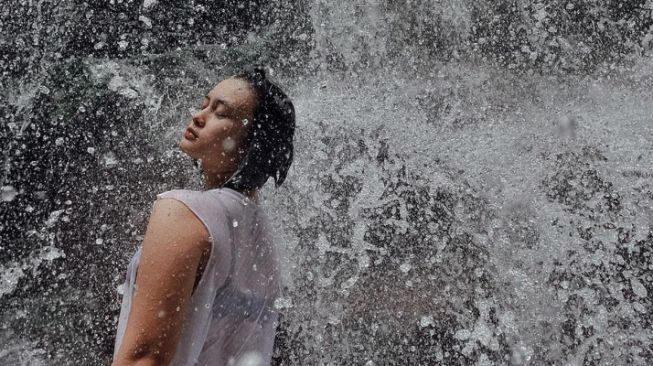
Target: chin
[[185, 148]]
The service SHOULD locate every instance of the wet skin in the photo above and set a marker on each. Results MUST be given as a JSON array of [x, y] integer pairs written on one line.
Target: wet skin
[[176, 244], [219, 130]]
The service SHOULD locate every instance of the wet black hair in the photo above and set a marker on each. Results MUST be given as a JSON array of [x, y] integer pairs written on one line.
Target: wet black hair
[[269, 149]]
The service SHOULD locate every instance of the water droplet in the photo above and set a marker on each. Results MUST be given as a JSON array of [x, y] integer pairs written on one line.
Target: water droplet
[[149, 3], [58, 141], [405, 267], [122, 45], [53, 218], [44, 89], [90, 150], [235, 223], [110, 160], [282, 303], [99, 241], [425, 321], [250, 358], [8, 193], [161, 314], [147, 21], [228, 144]]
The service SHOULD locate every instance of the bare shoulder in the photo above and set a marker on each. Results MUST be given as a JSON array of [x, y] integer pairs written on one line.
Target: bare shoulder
[[173, 219], [175, 242]]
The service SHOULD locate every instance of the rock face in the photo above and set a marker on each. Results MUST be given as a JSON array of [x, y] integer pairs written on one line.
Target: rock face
[[449, 203]]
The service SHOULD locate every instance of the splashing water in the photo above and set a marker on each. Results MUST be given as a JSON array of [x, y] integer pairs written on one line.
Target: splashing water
[[470, 185]]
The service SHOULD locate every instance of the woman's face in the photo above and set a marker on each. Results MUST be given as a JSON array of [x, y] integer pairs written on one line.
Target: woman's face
[[217, 131]]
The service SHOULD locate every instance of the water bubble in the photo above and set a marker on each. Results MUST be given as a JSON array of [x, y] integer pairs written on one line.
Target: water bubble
[[90, 150], [8, 193], [161, 314], [58, 141], [99, 241], [235, 223]]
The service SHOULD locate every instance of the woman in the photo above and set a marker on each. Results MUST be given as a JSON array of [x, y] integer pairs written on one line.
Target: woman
[[200, 290]]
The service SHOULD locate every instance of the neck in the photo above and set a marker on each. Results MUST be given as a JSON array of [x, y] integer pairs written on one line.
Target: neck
[[216, 180]]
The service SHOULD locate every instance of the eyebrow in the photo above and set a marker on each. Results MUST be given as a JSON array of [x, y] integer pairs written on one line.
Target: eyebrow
[[218, 100]]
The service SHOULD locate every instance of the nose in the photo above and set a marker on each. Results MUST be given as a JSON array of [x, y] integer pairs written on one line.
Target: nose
[[198, 119]]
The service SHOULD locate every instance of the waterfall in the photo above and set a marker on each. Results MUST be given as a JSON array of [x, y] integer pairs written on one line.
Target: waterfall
[[471, 182]]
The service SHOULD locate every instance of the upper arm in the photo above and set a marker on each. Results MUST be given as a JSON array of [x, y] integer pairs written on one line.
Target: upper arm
[[172, 249]]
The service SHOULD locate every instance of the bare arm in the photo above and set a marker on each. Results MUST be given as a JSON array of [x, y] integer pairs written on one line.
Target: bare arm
[[174, 244]]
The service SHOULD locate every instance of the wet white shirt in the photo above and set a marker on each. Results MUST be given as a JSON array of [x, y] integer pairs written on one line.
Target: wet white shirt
[[231, 318]]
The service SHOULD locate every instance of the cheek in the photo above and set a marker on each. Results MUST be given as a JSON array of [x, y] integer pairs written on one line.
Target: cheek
[[222, 139]]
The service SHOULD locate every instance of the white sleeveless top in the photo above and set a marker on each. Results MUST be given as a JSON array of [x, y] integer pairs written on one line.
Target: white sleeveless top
[[231, 318]]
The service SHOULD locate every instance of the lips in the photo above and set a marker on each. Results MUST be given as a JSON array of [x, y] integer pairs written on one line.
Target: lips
[[190, 134]]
